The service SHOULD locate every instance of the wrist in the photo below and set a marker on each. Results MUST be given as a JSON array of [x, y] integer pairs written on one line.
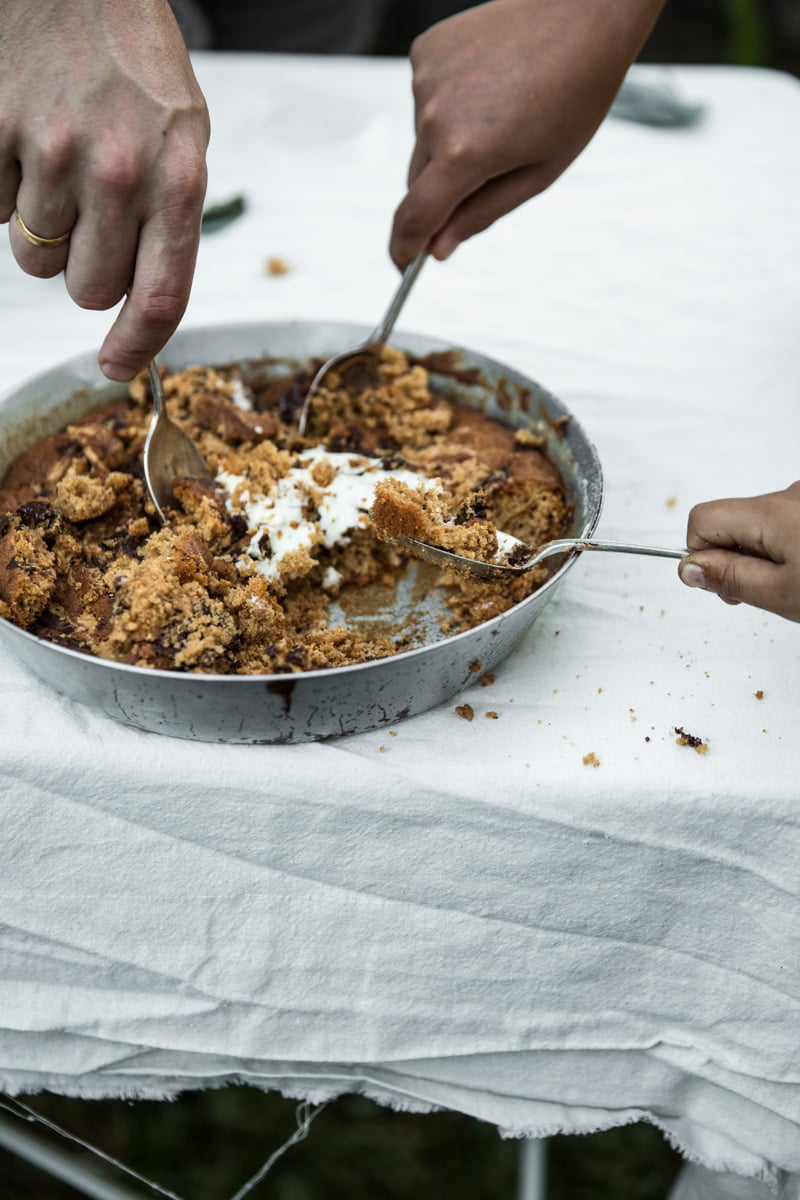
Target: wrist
[[628, 23]]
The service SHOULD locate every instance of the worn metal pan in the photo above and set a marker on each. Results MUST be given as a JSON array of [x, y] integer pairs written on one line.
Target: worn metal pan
[[314, 704]]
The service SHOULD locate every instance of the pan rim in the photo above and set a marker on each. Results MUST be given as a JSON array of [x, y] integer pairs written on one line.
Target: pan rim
[[84, 360]]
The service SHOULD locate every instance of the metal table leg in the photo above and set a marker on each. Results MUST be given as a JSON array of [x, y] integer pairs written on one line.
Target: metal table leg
[[532, 1169], [85, 1178]]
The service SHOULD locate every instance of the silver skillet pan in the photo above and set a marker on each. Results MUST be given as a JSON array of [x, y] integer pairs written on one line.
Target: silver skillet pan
[[313, 704]]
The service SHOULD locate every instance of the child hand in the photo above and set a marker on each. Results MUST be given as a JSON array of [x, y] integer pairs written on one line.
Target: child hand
[[748, 551]]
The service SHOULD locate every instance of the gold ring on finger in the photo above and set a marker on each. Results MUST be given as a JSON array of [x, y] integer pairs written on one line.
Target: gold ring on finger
[[34, 238]]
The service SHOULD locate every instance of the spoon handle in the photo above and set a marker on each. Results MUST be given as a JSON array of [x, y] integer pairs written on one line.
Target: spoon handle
[[159, 406], [382, 331], [565, 545]]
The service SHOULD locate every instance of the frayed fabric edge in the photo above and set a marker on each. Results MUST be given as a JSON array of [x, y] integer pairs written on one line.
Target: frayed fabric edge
[[781, 1185], [719, 1166], [315, 1093]]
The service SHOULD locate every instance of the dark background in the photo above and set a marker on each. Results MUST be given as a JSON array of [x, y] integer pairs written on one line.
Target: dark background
[[748, 32]]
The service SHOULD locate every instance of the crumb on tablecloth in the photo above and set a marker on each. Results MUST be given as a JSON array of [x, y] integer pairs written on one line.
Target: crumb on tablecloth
[[466, 711], [487, 680], [277, 266], [591, 760], [689, 739], [759, 695], [491, 714]]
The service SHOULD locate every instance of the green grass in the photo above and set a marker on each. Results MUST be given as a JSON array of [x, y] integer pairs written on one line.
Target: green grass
[[204, 1145], [746, 39]]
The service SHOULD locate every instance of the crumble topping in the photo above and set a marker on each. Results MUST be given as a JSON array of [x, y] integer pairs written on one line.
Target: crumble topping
[[241, 578]]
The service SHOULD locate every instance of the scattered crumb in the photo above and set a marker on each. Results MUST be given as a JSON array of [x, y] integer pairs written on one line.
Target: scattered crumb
[[466, 711], [392, 733], [558, 424], [647, 737], [599, 690], [672, 501], [487, 681], [476, 665], [689, 739], [591, 760], [526, 437], [382, 749], [277, 266], [759, 695], [556, 632], [491, 714]]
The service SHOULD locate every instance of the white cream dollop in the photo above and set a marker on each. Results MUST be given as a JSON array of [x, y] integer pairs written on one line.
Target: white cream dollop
[[276, 521]]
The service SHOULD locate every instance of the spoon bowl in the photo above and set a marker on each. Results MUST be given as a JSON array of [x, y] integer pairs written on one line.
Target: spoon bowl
[[375, 340], [168, 453]]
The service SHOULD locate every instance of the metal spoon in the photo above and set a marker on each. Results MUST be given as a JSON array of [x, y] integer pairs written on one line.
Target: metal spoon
[[515, 557], [375, 340], [168, 453]]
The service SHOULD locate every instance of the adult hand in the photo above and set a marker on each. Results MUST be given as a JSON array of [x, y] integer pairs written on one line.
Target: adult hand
[[104, 132], [506, 95], [748, 551]]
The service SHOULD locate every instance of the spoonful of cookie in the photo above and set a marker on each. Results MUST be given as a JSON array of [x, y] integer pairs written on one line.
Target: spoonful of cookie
[[515, 557]]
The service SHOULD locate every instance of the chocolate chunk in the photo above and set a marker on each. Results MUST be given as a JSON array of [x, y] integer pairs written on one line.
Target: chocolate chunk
[[217, 413]]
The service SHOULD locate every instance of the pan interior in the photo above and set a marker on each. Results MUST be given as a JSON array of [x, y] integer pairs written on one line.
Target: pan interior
[[413, 610]]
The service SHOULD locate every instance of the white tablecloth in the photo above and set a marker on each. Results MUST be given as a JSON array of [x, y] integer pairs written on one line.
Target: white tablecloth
[[446, 913]]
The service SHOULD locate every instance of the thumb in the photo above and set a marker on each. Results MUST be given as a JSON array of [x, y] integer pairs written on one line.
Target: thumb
[[734, 577]]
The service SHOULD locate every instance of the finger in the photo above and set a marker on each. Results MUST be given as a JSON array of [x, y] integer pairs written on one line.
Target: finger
[[737, 523], [495, 199], [419, 160], [9, 184], [442, 184], [104, 243], [159, 292], [738, 578], [46, 202]]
